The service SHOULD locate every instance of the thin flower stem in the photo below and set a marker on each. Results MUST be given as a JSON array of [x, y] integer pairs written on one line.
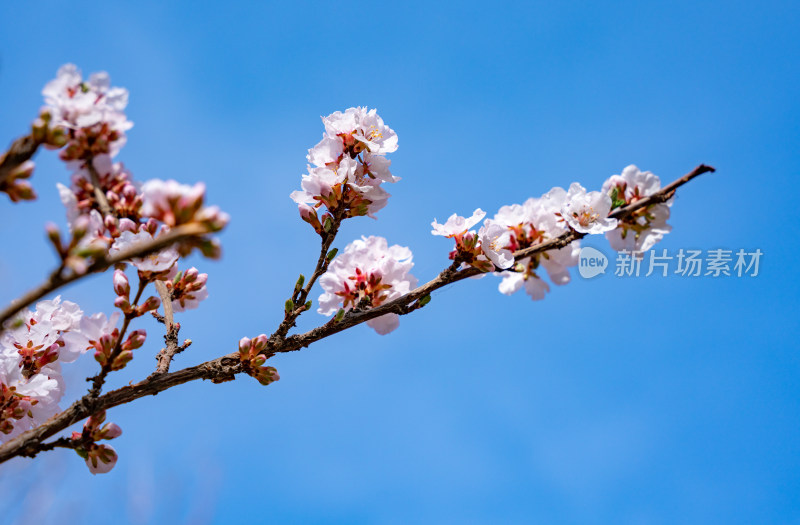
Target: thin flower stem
[[99, 379], [299, 297]]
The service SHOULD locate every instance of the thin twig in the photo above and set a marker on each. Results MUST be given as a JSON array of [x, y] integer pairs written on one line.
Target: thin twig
[[59, 279], [299, 297], [99, 379]]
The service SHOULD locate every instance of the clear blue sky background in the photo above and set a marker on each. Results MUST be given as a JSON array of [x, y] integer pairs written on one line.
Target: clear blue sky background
[[642, 401]]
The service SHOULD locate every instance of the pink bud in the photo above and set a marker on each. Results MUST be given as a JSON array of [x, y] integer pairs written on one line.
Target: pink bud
[[101, 458], [110, 431], [244, 345], [123, 303], [135, 340], [151, 303], [127, 225], [121, 285], [191, 275], [259, 343], [309, 214]]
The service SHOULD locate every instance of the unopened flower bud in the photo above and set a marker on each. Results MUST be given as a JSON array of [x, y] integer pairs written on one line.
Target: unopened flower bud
[[54, 235], [135, 340], [121, 285], [244, 346], [110, 431], [260, 343], [123, 303], [151, 303], [309, 214]]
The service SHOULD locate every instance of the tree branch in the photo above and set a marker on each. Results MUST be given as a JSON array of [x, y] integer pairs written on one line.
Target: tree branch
[[58, 278], [226, 367]]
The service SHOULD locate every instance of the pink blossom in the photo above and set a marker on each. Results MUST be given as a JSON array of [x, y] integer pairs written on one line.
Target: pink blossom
[[369, 273]]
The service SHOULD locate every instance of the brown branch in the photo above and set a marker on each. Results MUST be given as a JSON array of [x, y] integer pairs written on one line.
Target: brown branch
[[226, 367], [28, 443], [20, 151], [102, 202], [164, 357], [59, 279]]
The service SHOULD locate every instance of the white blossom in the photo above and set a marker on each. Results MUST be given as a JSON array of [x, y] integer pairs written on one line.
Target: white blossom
[[587, 212], [158, 262], [648, 225], [457, 225], [367, 274]]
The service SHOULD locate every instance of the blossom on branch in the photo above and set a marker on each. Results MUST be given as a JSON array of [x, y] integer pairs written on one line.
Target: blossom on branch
[[157, 264], [483, 250], [367, 274], [529, 224], [91, 112], [587, 212], [187, 289], [646, 226], [348, 168]]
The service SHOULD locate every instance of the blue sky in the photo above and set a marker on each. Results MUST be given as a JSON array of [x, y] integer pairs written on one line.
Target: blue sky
[[649, 400]]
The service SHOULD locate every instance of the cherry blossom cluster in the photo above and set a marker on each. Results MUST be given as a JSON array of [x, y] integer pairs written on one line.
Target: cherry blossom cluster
[[108, 214], [90, 111], [106, 207], [32, 350], [369, 273], [348, 167], [538, 220], [646, 226], [141, 230]]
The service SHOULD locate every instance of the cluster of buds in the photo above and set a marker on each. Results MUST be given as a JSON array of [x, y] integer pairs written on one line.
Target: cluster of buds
[[106, 346], [116, 184], [100, 458], [350, 167], [187, 289], [252, 355], [13, 407], [15, 184], [123, 301], [44, 132]]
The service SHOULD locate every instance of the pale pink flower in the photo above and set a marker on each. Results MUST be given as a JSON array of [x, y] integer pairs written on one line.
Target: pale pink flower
[[367, 274], [457, 225], [587, 212], [646, 226], [155, 263], [91, 111]]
